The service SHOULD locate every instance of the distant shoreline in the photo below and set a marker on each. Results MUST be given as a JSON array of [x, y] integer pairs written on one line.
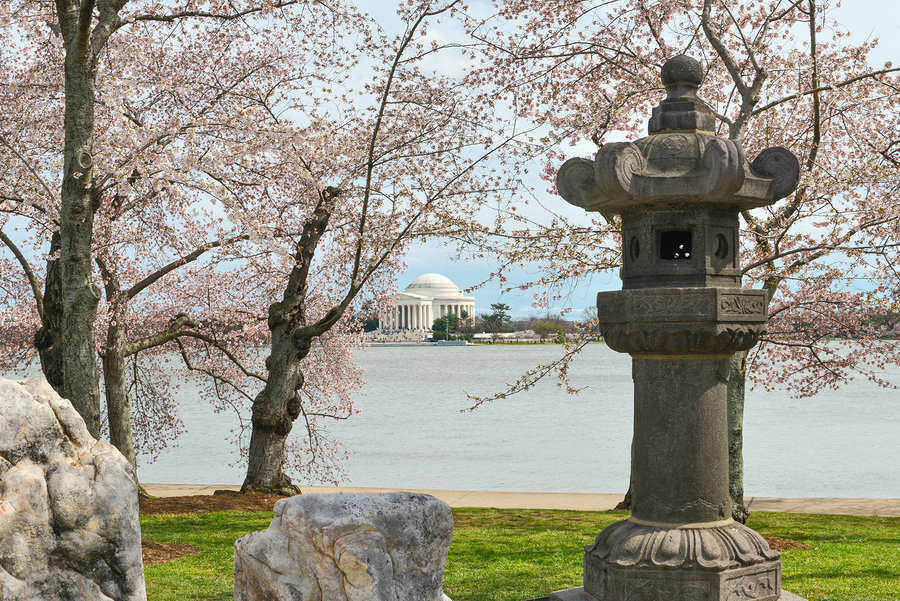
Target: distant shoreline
[[885, 507]]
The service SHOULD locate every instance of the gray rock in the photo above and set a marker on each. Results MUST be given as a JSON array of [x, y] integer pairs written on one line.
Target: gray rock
[[347, 547], [69, 525]]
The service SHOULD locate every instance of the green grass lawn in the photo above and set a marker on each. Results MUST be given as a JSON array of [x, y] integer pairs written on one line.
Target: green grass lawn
[[517, 554]]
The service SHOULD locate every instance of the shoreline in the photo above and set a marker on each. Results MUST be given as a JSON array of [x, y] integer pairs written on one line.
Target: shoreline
[[871, 507]]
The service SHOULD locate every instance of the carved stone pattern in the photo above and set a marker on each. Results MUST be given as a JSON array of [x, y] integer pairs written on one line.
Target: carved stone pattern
[[654, 306], [673, 145], [574, 178], [751, 586], [742, 304], [724, 160], [779, 164], [690, 338], [615, 164], [699, 503], [627, 544], [611, 307], [681, 69], [595, 577], [647, 589]]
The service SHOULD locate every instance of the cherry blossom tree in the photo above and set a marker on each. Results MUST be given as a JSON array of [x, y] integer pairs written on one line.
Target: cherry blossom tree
[[219, 156], [117, 117], [777, 73], [409, 154]]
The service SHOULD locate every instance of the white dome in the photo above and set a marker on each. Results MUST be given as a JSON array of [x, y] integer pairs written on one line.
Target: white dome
[[434, 283]]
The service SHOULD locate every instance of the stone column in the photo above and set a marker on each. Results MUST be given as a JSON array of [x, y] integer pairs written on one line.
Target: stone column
[[680, 479]]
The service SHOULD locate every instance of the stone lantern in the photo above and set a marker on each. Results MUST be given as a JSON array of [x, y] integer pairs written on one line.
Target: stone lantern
[[681, 315]]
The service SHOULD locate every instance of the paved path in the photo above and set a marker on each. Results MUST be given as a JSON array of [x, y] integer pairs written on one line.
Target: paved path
[[557, 500]]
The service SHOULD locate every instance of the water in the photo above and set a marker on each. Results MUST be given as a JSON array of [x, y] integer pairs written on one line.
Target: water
[[412, 433]]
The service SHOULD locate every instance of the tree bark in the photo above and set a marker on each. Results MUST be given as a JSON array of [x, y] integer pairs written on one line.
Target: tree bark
[[118, 403], [47, 338], [626, 503], [274, 410], [79, 295], [278, 404], [735, 406]]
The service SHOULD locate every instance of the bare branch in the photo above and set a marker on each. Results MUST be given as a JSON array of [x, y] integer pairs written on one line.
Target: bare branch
[[32, 280], [722, 50]]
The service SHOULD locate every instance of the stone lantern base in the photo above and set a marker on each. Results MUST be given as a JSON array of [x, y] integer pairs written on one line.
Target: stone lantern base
[[578, 594], [726, 561], [631, 561]]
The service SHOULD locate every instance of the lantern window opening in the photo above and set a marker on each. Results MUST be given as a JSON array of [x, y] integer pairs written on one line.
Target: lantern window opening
[[675, 245]]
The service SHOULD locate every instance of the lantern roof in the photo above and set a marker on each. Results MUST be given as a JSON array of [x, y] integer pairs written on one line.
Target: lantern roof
[[680, 161]]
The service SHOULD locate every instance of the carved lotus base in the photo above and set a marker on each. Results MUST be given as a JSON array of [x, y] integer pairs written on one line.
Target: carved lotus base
[[636, 562]]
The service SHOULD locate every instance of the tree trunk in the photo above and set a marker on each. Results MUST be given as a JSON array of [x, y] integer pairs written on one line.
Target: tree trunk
[[735, 400], [47, 338], [626, 503], [118, 404], [278, 404], [79, 295], [274, 410]]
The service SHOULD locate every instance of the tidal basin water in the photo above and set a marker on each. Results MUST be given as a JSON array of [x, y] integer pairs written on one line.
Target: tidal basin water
[[412, 433]]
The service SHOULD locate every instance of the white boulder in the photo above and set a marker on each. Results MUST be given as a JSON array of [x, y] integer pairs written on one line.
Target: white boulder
[[69, 525], [347, 547]]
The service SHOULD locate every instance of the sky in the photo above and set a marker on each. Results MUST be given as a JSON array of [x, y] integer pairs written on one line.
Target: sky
[[865, 19]]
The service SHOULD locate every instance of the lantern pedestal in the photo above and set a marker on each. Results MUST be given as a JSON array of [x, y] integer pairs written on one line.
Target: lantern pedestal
[[578, 594], [680, 542]]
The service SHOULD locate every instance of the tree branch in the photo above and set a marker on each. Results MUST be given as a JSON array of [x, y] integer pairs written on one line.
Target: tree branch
[[107, 24], [32, 280], [188, 258], [40, 180], [222, 16], [159, 338], [224, 350], [370, 154], [825, 88], [721, 49], [85, 19]]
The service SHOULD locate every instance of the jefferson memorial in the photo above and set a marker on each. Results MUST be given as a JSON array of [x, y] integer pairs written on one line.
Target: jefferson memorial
[[429, 297]]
